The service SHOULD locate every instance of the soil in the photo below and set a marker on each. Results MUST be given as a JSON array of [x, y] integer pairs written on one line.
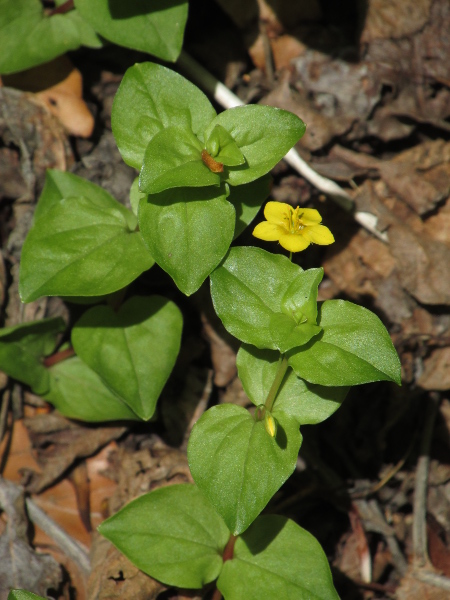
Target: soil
[[372, 81]]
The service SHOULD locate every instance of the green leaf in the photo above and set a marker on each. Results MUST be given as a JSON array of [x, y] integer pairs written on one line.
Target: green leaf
[[276, 559], [85, 246], [247, 199], [354, 348], [136, 196], [30, 38], [257, 281], [173, 159], [309, 404], [237, 464], [222, 147], [188, 231], [78, 393], [60, 184], [156, 27], [23, 347], [263, 134], [287, 334], [173, 534], [300, 299], [23, 595], [133, 350], [150, 98]]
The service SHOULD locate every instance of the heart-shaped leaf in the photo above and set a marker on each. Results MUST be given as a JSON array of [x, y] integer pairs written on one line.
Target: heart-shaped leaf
[[263, 134], [188, 231], [276, 559], [237, 464], [309, 404], [85, 246], [173, 534], [23, 348], [173, 159], [133, 350], [156, 27], [159, 98], [79, 393], [257, 281], [353, 348]]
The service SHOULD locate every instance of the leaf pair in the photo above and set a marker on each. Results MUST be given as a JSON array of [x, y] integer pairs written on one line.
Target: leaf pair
[[274, 558], [190, 161], [335, 344]]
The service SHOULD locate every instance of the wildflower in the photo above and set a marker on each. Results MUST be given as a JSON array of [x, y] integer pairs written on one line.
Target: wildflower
[[295, 229]]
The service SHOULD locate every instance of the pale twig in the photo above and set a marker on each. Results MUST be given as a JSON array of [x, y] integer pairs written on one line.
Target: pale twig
[[227, 99], [67, 544]]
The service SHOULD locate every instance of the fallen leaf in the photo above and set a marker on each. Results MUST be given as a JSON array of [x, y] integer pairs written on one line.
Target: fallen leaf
[[436, 371]]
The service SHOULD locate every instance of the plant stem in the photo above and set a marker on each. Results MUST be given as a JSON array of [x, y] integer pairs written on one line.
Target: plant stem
[[227, 555], [281, 372], [62, 8], [58, 357]]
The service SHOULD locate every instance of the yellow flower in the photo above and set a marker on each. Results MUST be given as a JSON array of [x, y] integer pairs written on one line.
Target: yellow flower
[[295, 229]]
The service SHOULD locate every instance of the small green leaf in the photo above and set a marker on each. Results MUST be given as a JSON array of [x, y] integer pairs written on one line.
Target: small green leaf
[[263, 134], [173, 534], [354, 348], [309, 404], [78, 393], [133, 350], [237, 464], [156, 27], [173, 159], [188, 231], [247, 199], [276, 559], [85, 246], [300, 299], [257, 281], [287, 334], [23, 595], [23, 348], [222, 147], [150, 98], [30, 38]]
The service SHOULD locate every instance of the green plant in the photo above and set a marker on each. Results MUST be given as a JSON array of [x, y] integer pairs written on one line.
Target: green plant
[[203, 178], [31, 35]]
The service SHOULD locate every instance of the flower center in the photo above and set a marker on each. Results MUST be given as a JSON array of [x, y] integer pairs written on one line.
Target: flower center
[[296, 224]]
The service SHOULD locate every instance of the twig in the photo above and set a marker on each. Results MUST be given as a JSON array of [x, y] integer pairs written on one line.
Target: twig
[[419, 527], [4, 412], [431, 578], [67, 544], [227, 99]]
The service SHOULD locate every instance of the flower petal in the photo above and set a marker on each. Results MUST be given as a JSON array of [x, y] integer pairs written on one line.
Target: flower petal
[[319, 234], [294, 242], [278, 213], [310, 216], [269, 232]]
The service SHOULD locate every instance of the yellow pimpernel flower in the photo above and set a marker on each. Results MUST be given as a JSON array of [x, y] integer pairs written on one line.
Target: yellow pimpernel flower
[[294, 228]]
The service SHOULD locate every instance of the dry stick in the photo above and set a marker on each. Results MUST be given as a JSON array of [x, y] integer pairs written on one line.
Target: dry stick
[[421, 485], [4, 412], [67, 544], [227, 99]]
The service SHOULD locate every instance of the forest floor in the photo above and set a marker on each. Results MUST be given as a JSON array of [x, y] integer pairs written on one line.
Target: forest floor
[[372, 483]]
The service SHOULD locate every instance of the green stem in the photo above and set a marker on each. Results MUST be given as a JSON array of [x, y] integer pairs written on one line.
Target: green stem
[[281, 372]]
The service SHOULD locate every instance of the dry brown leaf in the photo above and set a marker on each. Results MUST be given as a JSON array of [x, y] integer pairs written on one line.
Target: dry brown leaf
[[436, 371], [394, 18], [411, 588]]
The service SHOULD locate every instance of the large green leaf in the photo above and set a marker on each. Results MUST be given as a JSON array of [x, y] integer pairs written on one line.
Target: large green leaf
[[85, 246], [188, 231], [23, 348], [247, 199], [275, 559], [237, 464], [353, 348], [155, 27], [173, 159], [309, 404], [133, 350], [263, 134], [257, 282], [30, 38], [78, 393], [173, 534], [150, 98]]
